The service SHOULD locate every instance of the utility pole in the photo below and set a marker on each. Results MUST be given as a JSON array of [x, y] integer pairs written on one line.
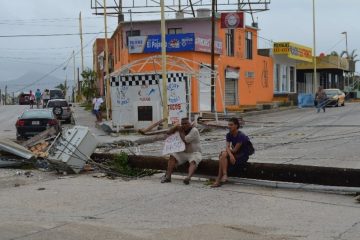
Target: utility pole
[[81, 44], [75, 83], [213, 56], [5, 95], [107, 80], [13, 98], [163, 65], [314, 42], [1, 99], [78, 82]]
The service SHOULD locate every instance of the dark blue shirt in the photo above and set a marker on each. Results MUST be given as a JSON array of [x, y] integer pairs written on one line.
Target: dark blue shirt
[[239, 138]]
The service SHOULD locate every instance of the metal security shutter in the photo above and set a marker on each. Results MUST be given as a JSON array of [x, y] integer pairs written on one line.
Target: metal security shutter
[[230, 91]]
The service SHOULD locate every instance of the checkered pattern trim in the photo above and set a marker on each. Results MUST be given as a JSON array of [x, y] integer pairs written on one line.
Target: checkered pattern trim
[[145, 79]]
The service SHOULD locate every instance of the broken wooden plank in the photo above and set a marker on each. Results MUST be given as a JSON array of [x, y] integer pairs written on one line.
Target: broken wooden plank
[[51, 132], [153, 125]]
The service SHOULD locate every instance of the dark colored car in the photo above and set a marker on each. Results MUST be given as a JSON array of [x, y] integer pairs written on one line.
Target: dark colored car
[[34, 121], [24, 99], [56, 94]]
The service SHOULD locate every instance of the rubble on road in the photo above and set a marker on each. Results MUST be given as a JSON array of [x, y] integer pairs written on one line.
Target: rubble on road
[[68, 150], [11, 147]]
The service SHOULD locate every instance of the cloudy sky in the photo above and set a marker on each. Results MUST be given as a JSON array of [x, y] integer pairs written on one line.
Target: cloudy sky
[[287, 20]]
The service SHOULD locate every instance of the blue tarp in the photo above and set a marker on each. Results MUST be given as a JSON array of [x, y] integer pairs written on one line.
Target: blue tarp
[[305, 100]]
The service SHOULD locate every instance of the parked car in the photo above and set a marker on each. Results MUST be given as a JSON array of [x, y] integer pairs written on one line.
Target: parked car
[[61, 109], [335, 96], [24, 99], [34, 121], [56, 94]]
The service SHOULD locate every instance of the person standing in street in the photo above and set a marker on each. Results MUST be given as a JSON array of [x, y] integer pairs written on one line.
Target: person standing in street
[[38, 98], [45, 97], [31, 99], [97, 102], [192, 153], [320, 98]]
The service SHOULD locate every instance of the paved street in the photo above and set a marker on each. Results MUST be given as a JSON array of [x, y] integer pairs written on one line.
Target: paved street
[[8, 117], [49, 206], [84, 207]]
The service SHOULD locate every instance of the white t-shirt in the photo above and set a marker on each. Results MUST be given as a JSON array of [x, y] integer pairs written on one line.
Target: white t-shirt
[[97, 103]]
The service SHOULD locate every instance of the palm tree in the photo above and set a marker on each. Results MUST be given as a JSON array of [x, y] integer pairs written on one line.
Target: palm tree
[[352, 57]]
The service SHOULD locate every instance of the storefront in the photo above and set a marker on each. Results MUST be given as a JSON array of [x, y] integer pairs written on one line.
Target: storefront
[[286, 57]]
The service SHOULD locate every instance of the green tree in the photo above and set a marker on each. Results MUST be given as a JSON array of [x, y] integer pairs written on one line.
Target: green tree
[[88, 85], [63, 87]]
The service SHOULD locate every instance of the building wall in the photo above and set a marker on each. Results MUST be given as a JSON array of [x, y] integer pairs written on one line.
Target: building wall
[[250, 90], [98, 48], [285, 64]]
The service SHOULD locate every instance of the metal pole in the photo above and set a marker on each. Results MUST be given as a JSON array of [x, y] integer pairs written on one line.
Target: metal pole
[[5, 95], [75, 83], [81, 43], [107, 80], [163, 65], [314, 42], [79, 85], [213, 57]]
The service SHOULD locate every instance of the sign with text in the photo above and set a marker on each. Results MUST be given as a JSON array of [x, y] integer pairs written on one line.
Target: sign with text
[[173, 144], [203, 44], [293, 50], [232, 20], [188, 42], [152, 43]]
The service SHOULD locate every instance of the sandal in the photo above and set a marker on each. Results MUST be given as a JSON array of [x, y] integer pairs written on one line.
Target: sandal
[[186, 181], [216, 185], [224, 179]]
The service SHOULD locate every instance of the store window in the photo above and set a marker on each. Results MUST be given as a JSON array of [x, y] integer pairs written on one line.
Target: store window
[[230, 42], [277, 78], [292, 79], [131, 33], [175, 30], [248, 45]]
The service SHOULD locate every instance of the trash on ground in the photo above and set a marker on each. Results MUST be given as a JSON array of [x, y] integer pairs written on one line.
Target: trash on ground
[[9, 146], [46, 135]]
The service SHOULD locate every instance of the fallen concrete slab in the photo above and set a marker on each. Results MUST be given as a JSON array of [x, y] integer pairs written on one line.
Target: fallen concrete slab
[[327, 176], [9, 146]]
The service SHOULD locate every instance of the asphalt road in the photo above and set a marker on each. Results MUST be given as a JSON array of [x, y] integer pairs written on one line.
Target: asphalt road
[[48, 206], [8, 117]]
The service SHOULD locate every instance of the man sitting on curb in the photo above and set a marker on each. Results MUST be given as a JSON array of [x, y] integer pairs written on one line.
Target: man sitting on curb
[[192, 153]]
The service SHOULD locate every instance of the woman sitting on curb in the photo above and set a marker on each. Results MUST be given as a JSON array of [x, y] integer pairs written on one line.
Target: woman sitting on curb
[[236, 153]]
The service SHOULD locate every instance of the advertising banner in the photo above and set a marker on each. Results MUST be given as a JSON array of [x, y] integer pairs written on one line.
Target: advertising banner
[[203, 44], [175, 43], [232, 20], [294, 51], [152, 43]]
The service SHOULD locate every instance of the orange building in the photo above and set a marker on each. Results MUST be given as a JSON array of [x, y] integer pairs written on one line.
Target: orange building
[[244, 77], [99, 62]]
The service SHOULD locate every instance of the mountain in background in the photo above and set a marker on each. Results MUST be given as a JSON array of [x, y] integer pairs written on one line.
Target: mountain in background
[[30, 81]]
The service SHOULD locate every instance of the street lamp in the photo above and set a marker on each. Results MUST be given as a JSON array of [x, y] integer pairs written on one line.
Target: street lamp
[[346, 39]]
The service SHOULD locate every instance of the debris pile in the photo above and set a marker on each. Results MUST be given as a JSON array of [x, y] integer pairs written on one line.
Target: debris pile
[[40, 149]]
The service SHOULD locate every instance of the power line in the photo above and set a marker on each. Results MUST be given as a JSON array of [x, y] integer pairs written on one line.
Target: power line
[[48, 35]]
